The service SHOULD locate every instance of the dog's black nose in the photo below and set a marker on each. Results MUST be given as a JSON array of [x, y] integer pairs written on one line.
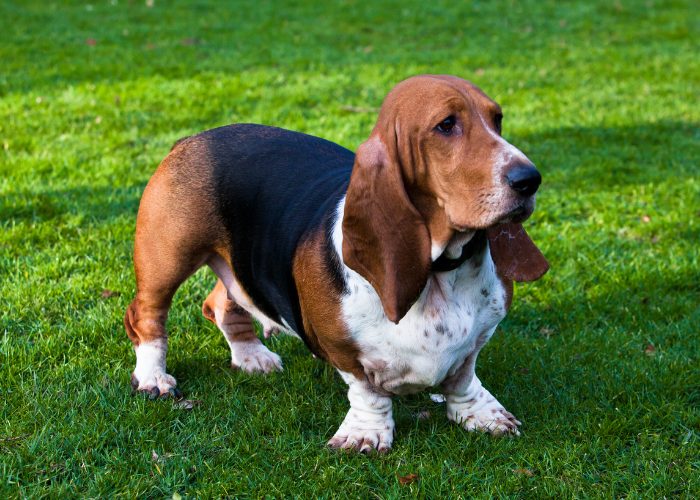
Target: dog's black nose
[[524, 178]]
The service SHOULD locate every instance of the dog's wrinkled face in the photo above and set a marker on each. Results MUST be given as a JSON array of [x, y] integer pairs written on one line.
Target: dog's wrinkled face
[[434, 169], [448, 135]]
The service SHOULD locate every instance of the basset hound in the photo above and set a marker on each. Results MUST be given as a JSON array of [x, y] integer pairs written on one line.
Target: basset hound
[[394, 264]]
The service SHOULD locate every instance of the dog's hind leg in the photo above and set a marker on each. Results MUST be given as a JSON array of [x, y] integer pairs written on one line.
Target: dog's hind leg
[[247, 352], [145, 320], [157, 280], [169, 246]]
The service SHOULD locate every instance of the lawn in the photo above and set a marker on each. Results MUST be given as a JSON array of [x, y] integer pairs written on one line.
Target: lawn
[[600, 359]]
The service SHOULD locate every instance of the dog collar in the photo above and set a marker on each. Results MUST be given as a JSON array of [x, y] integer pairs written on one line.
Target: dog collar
[[443, 263]]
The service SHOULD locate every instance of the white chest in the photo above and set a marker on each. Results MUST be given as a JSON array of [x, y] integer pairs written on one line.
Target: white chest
[[454, 315]]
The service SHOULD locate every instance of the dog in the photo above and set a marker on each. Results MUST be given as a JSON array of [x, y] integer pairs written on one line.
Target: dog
[[394, 264]]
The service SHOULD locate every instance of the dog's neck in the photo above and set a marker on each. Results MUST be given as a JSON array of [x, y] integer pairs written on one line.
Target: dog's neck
[[462, 247], [447, 243], [435, 219]]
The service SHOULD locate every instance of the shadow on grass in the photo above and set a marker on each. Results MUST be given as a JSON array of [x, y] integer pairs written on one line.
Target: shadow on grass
[[98, 204], [601, 158]]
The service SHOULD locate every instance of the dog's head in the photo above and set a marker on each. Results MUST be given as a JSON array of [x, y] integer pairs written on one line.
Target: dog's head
[[435, 165]]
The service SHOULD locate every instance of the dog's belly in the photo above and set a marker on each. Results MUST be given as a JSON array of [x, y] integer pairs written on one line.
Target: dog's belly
[[455, 314], [236, 292]]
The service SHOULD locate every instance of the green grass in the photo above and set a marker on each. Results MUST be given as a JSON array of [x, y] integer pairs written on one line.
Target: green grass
[[603, 96]]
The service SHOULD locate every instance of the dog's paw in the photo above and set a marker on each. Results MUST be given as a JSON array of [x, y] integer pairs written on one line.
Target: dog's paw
[[362, 440], [254, 358], [483, 414], [149, 375], [364, 432], [494, 420], [156, 384], [477, 410]]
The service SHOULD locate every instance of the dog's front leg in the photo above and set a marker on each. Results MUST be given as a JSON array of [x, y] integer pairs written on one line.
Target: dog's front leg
[[369, 425], [470, 405]]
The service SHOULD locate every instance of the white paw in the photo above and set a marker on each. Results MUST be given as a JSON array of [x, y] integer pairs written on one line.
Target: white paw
[[254, 358], [149, 374], [488, 416], [365, 432], [156, 384]]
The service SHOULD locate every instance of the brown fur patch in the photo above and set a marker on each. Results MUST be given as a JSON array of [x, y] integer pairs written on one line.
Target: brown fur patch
[[384, 236], [508, 285], [176, 230], [214, 301], [325, 330]]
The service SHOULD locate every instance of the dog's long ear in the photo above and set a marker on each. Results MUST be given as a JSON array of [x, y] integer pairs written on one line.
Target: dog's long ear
[[516, 256], [384, 237]]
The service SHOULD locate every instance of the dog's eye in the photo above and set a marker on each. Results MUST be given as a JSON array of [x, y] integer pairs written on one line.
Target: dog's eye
[[446, 125], [498, 121]]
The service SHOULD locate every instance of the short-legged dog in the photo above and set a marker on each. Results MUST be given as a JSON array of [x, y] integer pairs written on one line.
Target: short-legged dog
[[394, 264]]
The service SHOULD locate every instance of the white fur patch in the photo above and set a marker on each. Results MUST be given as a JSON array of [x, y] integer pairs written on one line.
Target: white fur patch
[[456, 245], [436, 250], [254, 357], [369, 424], [437, 334], [150, 367], [478, 410]]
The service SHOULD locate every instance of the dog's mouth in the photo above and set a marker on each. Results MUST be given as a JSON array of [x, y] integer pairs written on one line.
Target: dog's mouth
[[460, 228], [519, 213]]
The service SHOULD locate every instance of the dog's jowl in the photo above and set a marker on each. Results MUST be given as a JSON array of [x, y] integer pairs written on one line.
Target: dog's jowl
[[394, 264]]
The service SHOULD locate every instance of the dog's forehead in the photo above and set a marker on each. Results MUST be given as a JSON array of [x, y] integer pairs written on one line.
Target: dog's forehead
[[435, 91], [477, 96]]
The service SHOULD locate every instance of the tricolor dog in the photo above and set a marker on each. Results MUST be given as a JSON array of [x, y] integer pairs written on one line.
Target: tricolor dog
[[394, 264]]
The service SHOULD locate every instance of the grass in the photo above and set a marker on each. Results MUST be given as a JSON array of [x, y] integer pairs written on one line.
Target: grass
[[599, 359]]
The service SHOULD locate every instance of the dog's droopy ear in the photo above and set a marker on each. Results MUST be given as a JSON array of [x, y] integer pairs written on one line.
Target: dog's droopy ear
[[385, 239], [514, 253]]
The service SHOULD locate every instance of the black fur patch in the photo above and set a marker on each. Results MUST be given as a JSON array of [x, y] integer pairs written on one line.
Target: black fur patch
[[272, 187], [334, 266], [475, 246]]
